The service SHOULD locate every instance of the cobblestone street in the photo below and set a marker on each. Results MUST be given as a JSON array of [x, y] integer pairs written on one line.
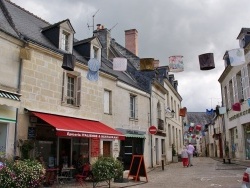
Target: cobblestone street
[[206, 172]]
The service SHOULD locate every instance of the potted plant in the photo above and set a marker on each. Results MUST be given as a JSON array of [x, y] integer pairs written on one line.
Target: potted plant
[[106, 169], [25, 147], [174, 154]]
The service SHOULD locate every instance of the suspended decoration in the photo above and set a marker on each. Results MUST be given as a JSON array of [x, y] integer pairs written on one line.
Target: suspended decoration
[[236, 57], [120, 64], [209, 112], [217, 110], [183, 111], [236, 107], [147, 64], [222, 110], [198, 127], [176, 63], [93, 72], [191, 129], [206, 61], [186, 128], [203, 133], [69, 61]]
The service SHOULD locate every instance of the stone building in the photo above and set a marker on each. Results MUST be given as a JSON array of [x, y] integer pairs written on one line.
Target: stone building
[[65, 108], [235, 92]]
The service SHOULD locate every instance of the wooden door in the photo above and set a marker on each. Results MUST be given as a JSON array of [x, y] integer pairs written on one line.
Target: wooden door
[[106, 148]]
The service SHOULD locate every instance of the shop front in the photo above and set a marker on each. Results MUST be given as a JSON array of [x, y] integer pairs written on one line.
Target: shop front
[[9, 104], [132, 145], [62, 140]]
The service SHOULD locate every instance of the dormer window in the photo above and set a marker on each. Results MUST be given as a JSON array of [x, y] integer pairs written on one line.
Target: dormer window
[[95, 52], [65, 41], [61, 35]]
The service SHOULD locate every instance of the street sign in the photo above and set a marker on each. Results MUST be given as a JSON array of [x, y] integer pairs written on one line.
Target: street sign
[[152, 129]]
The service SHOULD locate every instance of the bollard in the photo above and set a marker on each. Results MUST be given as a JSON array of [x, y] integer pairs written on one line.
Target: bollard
[[162, 164]]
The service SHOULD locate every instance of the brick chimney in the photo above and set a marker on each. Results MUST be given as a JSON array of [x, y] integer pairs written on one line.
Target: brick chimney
[[156, 63], [104, 36], [131, 41]]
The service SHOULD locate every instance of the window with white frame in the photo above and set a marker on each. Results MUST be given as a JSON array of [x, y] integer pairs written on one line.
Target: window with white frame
[[239, 86], [65, 41], [245, 71], [71, 88], [158, 110], [95, 52], [225, 97], [107, 102], [133, 107]]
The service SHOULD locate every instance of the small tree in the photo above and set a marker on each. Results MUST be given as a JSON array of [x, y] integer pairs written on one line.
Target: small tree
[[106, 168]]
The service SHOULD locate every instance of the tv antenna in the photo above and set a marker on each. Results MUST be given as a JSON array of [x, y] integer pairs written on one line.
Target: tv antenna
[[93, 17], [113, 27]]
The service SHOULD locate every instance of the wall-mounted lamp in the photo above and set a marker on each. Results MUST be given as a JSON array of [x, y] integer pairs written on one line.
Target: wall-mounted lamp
[[170, 113]]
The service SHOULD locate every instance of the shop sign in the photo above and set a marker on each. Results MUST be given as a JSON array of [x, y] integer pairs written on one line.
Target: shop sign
[[88, 135], [31, 132], [131, 132], [245, 112], [116, 147]]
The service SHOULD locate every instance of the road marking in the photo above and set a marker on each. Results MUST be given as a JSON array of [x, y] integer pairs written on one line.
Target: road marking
[[205, 179], [215, 185]]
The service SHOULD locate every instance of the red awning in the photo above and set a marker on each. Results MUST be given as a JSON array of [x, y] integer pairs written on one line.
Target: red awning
[[75, 127]]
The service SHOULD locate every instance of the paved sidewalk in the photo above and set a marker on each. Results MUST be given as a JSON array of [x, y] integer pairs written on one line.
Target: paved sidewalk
[[240, 163], [156, 176]]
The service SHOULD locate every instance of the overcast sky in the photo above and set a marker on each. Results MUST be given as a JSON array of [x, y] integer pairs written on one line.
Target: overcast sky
[[165, 28]]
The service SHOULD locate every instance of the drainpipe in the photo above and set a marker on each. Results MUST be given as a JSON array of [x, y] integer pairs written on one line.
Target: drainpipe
[[150, 120], [17, 110]]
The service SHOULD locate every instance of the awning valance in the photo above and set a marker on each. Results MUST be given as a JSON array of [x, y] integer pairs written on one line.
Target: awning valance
[[76, 127]]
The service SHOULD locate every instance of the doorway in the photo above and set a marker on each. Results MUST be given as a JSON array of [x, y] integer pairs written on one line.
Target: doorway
[[3, 137], [65, 152], [156, 151], [106, 148]]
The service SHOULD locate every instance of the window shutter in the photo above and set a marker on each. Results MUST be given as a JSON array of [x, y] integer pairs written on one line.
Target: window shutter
[[78, 91], [247, 74], [106, 102], [136, 107], [235, 91], [229, 105], [64, 87], [224, 96]]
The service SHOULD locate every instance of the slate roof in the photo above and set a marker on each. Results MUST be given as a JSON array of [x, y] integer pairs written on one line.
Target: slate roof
[[243, 30], [201, 118]]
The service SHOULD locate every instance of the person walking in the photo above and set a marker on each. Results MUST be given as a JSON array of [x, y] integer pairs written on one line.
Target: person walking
[[184, 156], [190, 150]]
